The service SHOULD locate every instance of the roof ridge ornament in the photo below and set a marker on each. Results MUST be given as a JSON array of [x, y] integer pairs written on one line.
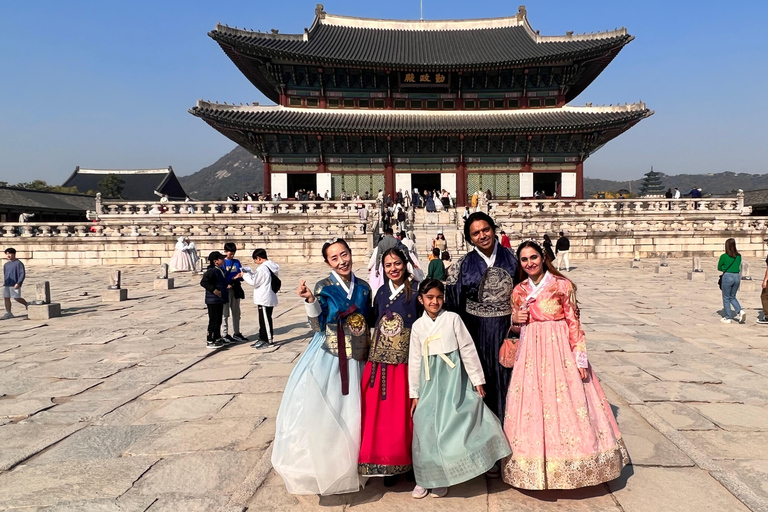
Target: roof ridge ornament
[[320, 11], [522, 13]]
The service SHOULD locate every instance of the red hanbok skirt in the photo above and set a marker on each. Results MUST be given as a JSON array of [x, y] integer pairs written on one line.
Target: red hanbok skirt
[[387, 427]]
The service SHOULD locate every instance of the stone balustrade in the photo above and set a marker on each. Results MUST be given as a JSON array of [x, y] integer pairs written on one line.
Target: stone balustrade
[[618, 207], [218, 209]]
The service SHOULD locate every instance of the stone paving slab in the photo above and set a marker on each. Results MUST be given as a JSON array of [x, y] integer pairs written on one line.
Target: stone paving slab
[[175, 426]]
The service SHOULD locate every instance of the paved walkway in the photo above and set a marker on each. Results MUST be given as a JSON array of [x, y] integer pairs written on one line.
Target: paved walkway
[[120, 407]]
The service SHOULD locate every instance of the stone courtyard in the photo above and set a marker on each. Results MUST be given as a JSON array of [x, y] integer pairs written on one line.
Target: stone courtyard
[[120, 407]]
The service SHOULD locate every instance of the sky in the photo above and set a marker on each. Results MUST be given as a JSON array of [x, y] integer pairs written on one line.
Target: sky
[[107, 84]]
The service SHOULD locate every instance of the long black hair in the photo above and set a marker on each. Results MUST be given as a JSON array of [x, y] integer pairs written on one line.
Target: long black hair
[[394, 251], [326, 245], [548, 265], [474, 218]]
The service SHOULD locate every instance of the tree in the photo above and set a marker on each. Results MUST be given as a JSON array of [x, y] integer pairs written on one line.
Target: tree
[[111, 185]]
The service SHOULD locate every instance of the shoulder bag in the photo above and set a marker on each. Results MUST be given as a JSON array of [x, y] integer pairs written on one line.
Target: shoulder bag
[[508, 350]]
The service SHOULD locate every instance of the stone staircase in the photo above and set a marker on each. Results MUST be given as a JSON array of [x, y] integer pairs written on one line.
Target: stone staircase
[[425, 225]]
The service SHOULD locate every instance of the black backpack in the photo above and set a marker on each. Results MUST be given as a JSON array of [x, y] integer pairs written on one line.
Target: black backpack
[[275, 283], [400, 216]]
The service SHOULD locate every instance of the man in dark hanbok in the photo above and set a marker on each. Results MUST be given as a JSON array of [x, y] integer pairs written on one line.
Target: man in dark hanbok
[[479, 289]]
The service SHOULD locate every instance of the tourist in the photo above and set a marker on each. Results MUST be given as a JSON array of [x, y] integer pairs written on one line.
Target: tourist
[[456, 438], [317, 433], [446, 257], [436, 200], [362, 213], [416, 198], [558, 421], [466, 214], [445, 199], [505, 240], [562, 251], [677, 193], [216, 296], [14, 274], [265, 281], [388, 201], [669, 194], [399, 197], [485, 310], [475, 200], [440, 242], [375, 269], [327, 195], [387, 428], [764, 296], [181, 261], [548, 248], [429, 203], [192, 251], [233, 272], [436, 269], [406, 199], [190, 208], [730, 265]]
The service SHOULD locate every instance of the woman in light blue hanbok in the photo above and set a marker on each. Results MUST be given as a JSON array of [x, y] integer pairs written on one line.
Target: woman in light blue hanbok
[[317, 438]]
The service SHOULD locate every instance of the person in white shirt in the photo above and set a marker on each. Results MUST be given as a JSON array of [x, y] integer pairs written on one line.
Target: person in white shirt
[[263, 279], [677, 193]]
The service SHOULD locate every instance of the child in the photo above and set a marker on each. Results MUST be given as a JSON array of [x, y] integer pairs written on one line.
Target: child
[[455, 436], [216, 296], [263, 295], [436, 269], [13, 274], [233, 268]]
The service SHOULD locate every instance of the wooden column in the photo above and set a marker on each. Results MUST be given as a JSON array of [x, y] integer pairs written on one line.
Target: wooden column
[[580, 180], [267, 178], [389, 180], [461, 184]]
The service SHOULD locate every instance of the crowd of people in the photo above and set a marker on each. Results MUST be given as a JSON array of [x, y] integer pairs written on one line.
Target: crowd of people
[[406, 377]]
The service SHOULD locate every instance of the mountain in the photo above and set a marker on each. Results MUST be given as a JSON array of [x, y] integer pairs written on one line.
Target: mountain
[[714, 183], [237, 171]]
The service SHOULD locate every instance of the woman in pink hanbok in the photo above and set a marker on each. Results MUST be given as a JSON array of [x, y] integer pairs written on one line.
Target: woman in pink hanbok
[[558, 422]]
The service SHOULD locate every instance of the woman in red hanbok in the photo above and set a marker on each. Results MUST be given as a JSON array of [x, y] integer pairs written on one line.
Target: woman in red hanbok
[[559, 424], [387, 427]]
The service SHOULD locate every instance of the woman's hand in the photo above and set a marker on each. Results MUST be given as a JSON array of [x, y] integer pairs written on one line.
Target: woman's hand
[[414, 402], [480, 391], [520, 316], [217, 293], [304, 292], [584, 374]]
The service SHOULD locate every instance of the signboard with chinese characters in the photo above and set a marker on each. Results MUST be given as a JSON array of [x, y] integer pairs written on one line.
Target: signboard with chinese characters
[[424, 79]]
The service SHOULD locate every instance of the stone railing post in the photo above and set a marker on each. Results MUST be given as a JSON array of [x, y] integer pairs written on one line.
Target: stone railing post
[[98, 208], [740, 200]]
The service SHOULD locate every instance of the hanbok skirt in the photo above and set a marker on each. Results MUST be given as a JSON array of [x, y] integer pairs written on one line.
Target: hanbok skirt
[[562, 430], [455, 436], [488, 333], [431, 205], [181, 261], [317, 435], [387, 432]]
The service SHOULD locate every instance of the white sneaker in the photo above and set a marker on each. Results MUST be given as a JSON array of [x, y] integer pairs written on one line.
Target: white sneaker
[[418, 492], [742, 316], [439, 492], [6, 316], [726, 320]]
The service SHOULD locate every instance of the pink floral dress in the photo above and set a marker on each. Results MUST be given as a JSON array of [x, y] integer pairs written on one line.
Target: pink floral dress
[[562, 430]]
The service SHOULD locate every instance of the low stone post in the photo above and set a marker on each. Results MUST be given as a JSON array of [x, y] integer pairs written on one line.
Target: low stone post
[[747, 283], [162, 281], [42, 308], [663, 266], [696, 273], [115, 292], [635, 263]]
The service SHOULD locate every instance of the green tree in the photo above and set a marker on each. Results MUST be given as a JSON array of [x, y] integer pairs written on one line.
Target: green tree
[[111, 185], [35, 185]]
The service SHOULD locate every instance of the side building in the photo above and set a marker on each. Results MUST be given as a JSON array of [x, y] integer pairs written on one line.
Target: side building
[[462, 105], [136, 184]]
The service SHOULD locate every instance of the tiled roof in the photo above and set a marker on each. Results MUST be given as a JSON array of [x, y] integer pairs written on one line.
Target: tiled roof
[[139, 184], [302, 120], [34, 200], [394, 44], [756, 197]]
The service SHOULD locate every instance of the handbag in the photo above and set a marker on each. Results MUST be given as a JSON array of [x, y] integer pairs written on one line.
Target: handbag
[[508, 350], [720, 279]]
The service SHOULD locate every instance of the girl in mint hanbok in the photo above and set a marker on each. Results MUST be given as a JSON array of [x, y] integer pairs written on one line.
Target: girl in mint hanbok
[[317, 437], [456, 437]]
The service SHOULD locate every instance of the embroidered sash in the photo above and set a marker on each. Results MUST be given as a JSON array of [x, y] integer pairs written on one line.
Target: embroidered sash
[[341, 340]]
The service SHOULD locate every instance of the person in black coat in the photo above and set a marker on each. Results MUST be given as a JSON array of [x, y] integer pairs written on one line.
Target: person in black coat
[[216, 295]]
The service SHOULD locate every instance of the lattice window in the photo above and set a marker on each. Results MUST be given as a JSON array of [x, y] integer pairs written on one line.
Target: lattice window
[[502, 185]]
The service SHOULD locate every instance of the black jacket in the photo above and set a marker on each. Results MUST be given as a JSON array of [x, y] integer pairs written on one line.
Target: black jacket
[[563, 244], [213, 279]]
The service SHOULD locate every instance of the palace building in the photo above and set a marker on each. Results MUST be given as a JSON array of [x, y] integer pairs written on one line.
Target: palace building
[[462, 105]]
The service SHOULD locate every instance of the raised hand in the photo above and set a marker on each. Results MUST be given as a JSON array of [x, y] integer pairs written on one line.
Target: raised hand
[[304, 292]]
